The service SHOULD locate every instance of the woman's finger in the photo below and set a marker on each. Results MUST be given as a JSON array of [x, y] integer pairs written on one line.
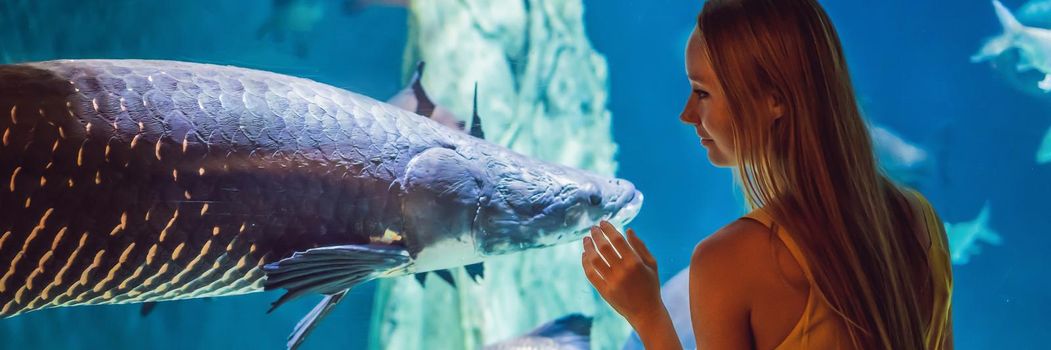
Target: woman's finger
[[594, 259], [603, 246], [640, 248], [593, 276], [615, 238]]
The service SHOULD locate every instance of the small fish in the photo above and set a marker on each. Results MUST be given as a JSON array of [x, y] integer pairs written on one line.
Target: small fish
[[571, 332], [1033, 46], [965, 237], [907, 162]]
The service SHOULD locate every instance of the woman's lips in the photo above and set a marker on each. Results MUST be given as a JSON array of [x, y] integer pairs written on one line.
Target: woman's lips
[[705, 141]]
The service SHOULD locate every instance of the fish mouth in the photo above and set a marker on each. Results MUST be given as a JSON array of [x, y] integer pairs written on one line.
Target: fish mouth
[[628, 212]]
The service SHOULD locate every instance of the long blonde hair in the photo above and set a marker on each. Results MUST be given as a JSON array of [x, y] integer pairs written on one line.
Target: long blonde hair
[[814, 169]]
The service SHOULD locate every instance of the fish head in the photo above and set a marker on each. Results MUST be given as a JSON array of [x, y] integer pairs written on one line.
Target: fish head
[[531, 204], [460, 205]]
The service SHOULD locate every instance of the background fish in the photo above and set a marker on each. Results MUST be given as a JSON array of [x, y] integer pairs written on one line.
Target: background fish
[[966, 238], [1032, 45], [571, 332]]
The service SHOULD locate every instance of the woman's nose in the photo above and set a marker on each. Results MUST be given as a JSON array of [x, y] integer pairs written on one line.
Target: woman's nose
[[689, 115]]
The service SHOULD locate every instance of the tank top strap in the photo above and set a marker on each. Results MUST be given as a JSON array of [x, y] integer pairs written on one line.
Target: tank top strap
[[939, 262], [930, 221], [764, 217]]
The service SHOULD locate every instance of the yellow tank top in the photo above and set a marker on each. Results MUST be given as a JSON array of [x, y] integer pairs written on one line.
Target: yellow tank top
[[820, 328]]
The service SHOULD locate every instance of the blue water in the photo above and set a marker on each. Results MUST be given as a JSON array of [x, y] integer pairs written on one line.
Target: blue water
[[909, 61]]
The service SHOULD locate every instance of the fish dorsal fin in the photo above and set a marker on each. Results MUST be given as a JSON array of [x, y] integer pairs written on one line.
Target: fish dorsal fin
[[476, 122], [424, 105], [414, 98], [331, 270]]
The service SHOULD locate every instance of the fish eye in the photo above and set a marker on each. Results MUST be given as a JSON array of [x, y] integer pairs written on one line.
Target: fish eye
[[595, 199]]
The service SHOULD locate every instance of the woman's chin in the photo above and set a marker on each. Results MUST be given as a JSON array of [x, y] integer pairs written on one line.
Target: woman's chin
[[719, 160]]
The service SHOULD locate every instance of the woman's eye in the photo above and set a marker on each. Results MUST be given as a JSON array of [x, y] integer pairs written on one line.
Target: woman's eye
[[700, 93]]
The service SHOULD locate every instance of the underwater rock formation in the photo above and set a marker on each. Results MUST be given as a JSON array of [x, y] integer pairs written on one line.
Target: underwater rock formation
[[542, 92]]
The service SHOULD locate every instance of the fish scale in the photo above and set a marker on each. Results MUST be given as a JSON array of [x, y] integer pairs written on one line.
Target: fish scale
[[135, 181]]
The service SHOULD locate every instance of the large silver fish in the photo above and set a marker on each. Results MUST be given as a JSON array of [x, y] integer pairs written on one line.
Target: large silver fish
[[131, 181]]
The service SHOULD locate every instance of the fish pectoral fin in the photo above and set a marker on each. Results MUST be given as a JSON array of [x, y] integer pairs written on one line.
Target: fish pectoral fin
[[311, 320], [993, 48], [475, 271], [331, 270]]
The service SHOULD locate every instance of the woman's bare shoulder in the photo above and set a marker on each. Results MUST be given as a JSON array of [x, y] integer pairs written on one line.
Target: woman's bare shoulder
[[736, 254], [737, 239]]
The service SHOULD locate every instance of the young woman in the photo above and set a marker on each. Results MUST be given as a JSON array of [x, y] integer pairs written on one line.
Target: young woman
[[833, 255]]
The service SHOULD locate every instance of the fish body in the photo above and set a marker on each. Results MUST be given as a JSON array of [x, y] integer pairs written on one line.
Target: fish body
[[570, 332], [1035, 13], [131, 181], [1043, 152], [911, 163], [966, 238], [1033, 45]]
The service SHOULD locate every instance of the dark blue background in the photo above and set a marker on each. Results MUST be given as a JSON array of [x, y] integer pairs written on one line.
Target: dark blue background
[[910, 64]]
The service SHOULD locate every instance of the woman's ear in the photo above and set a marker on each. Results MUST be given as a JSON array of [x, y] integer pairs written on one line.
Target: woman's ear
[[775, 106]]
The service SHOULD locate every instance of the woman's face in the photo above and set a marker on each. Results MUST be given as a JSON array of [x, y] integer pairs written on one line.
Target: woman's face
[[707, 109]]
